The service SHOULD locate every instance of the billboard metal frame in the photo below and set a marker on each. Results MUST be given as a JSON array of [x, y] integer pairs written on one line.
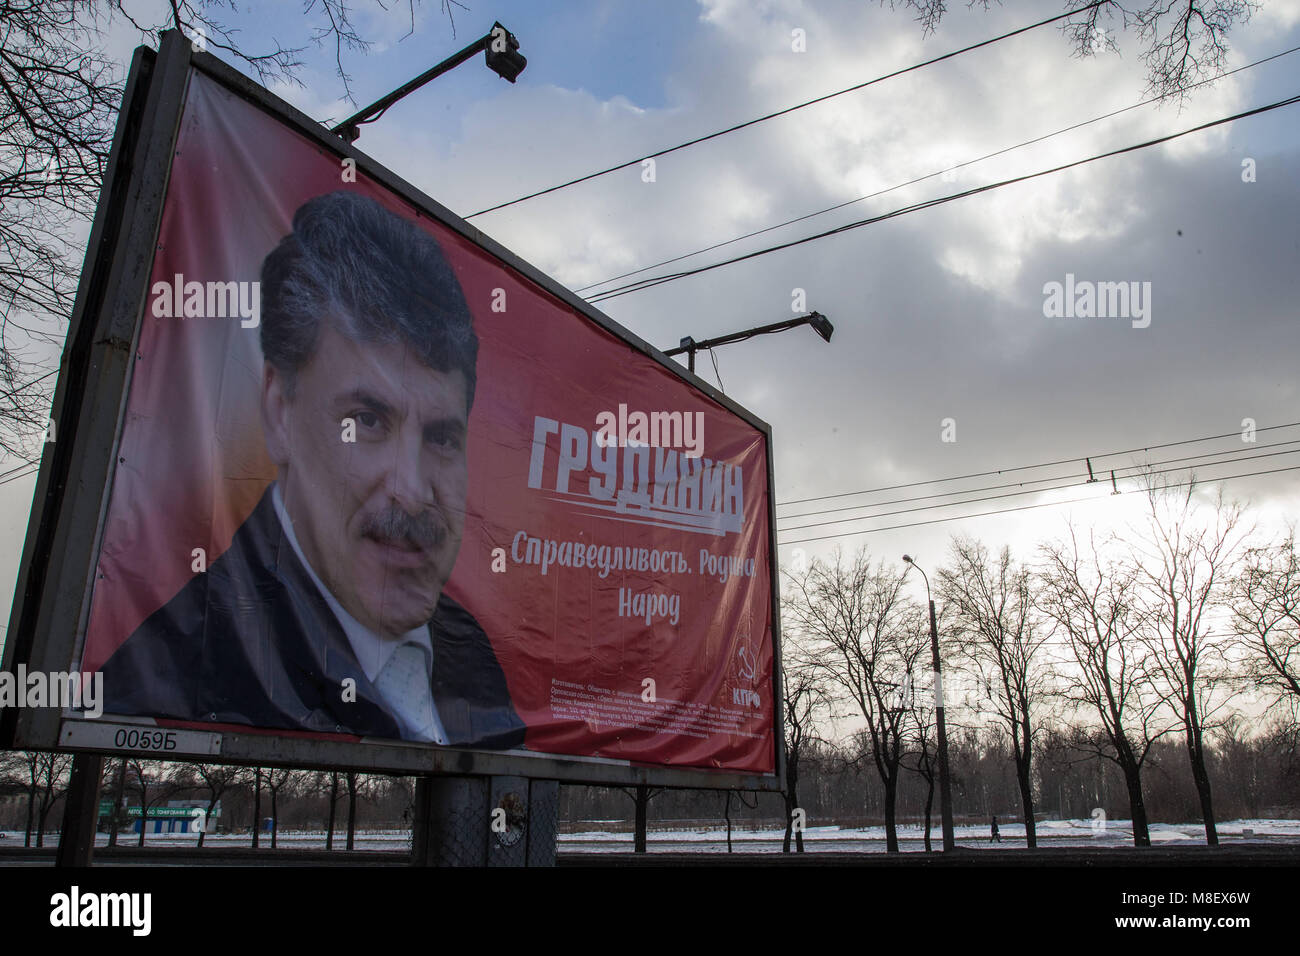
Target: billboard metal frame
[[51, 600]]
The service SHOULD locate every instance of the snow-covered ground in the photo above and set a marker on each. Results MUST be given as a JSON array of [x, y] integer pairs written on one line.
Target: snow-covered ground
[[1052, 833], [705, 839]]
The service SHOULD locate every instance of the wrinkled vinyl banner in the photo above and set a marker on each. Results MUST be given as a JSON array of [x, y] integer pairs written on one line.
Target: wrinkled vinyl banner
[[323, 541]]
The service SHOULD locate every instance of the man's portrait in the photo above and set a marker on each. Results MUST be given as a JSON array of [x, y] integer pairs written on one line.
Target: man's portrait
[[328, 611]]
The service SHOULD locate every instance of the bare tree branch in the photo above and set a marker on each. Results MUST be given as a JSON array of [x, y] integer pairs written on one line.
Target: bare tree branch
[[1183, 41]]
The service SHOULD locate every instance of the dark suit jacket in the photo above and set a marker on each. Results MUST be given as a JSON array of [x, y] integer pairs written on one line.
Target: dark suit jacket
[[252, 641]]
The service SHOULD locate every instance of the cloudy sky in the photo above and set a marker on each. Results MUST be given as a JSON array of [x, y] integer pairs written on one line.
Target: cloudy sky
[[939, 314]]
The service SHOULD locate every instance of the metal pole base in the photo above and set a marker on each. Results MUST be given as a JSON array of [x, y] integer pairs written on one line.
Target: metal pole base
[[81, 812], [485, 821]]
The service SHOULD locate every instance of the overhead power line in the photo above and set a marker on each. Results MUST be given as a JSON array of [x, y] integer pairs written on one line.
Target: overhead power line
[[643, 284], [25, 464], [23, 473], [788, 109], [1045, 464], [921, 179], [1072, 481], [998, 511], [1018, 494]]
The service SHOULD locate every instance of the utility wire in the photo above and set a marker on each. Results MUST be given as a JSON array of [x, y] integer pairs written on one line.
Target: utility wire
[[1074, 480], [921, 179], [643, 284], [1046, 464], [788, 109], [23, 474], [26, 463], [998, 511], [1017, 494]]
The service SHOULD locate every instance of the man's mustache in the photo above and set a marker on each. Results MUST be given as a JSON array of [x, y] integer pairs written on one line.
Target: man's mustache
[[421, 531]]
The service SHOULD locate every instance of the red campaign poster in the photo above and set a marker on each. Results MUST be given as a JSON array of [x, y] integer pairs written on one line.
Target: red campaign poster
[[372, 481]]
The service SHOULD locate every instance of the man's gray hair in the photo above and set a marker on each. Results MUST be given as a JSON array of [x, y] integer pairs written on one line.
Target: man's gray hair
[[380, 278]]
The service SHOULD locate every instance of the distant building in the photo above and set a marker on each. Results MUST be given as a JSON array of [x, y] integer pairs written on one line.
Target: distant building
[[177, 816]]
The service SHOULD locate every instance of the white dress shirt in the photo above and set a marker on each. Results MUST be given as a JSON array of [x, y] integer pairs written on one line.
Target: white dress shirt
[[375, 653]]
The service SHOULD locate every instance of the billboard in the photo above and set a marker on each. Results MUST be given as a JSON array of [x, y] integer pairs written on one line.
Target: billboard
[[380, 494]]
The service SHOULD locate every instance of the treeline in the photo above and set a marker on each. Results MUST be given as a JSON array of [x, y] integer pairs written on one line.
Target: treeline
[[33, 787], [1260, 776], [1260, 779], [1076, 679]]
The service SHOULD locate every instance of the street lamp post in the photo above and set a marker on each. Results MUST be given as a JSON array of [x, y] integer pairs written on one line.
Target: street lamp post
[[819, 322], [501, 52], [945, 789]]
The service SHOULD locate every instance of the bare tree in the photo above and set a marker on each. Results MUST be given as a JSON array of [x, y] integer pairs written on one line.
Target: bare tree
[[258, 775], [641, 795], [47, 782], [865, 636], [326, 782], [993, 614], [13, 768], [1093, 600], [280, 781], [360, 787], [117, 812], [1264, 601], [924, 753], [1283, 738], [214, 780], [155, 781], [1182, 560], [1239, 756], [57, 97], [804, 693], [1183, 41], [726, 809]]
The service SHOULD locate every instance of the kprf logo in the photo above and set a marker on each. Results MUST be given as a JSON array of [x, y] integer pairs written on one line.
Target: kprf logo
[[745, 698]]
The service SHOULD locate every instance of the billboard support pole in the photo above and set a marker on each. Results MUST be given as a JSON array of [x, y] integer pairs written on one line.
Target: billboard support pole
[[642, 802], [81, 812], [484, 821]]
